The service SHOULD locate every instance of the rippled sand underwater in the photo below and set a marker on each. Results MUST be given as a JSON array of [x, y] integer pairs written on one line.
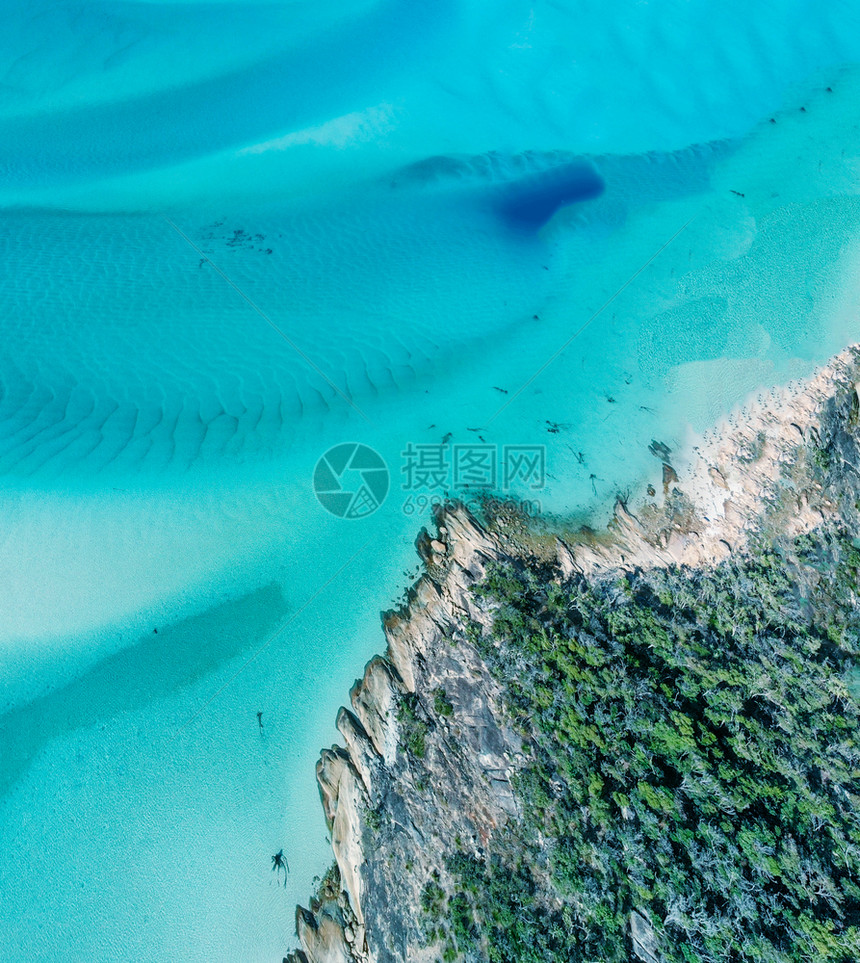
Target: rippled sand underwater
[[234, 235]]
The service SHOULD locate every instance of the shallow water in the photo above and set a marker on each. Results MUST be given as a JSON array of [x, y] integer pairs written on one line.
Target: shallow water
[[235, 235]]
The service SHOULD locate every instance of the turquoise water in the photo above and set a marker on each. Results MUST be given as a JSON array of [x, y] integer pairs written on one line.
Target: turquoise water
[[234, 235]]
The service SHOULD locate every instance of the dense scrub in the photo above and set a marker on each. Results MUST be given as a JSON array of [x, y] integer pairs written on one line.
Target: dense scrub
[[694, 757]]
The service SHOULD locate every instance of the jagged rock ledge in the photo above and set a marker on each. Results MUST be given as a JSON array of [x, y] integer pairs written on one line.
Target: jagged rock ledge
[[429, 758]]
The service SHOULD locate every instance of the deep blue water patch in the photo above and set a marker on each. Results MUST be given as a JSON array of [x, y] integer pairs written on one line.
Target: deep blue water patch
[[528, 204]]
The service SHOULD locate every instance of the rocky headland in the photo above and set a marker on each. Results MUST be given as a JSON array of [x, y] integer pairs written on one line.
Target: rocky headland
[[432, 752]]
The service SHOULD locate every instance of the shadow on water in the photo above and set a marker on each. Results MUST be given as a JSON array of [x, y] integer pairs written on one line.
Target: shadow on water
[[175, 656]]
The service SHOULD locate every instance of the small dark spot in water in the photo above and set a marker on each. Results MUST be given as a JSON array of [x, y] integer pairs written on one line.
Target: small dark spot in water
[[803, 110], [829, 90], [737, 193], [504, 391], [772, 120], [535, 317], [554, 427], [155, 631]]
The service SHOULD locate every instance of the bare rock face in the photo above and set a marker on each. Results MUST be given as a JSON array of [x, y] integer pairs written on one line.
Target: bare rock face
[[428, 760], [322, 935], [642, 938], [344, 797], [756, 462], [374, 702]]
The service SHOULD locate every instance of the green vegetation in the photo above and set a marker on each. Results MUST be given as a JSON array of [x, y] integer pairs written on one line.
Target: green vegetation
[[414, 728], [441, 703], [374, 819], [695, 757]]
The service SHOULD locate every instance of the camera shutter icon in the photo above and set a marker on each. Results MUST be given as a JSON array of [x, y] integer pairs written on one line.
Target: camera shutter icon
[[351, 480]]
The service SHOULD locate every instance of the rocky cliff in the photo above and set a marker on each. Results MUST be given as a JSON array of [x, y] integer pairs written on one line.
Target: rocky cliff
[[427, 760], [428, 757]]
